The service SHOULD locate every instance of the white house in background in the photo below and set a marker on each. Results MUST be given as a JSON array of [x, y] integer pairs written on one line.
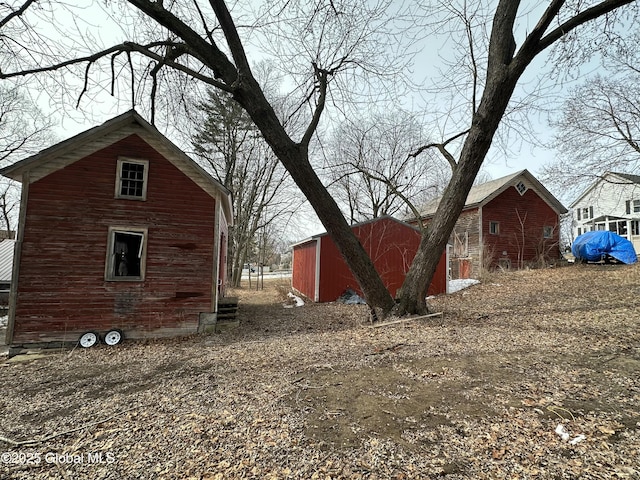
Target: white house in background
[[611, 203]]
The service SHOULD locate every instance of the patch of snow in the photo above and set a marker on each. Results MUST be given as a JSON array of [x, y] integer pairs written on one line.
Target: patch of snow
[[3, 320], [461, 284], [298, 301]]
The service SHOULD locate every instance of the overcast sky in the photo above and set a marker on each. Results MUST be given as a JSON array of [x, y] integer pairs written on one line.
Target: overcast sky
[[432, 53]]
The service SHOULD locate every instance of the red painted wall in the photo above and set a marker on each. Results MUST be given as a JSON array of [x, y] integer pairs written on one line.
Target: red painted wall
[[61, 289], [535, 214], [303, 277], [390, 244]]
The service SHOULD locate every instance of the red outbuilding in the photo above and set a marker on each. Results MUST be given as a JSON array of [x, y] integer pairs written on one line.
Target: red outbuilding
[[321, 274], [119, 230], [509, 222]]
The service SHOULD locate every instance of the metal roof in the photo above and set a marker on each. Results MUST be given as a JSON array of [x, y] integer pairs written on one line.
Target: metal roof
[[6, 260]]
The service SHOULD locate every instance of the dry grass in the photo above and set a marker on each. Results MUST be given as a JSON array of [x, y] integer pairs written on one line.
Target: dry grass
[[313, 392]]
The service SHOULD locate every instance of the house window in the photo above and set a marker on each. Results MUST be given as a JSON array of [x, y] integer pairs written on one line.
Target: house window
[[585, 214], [132, 179], [521, 187], [126, 254], [636, 206], [547, 232], [635, 227], [579, 231], [494, 228], [619, 227]]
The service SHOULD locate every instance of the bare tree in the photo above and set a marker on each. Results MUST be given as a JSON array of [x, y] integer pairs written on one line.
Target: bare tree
[[23, 131], [372, 170], [232, 149], [598, 131], [192, 45]]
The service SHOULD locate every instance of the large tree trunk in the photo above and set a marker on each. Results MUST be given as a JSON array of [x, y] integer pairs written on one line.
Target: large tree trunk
[[294, 157], [502, 77]]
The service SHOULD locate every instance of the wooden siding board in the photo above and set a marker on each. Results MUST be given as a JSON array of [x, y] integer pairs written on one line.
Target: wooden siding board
[[65, 241]]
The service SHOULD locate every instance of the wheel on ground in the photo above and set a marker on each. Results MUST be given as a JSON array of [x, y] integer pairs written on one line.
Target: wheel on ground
[[113, 337], [88, 339]]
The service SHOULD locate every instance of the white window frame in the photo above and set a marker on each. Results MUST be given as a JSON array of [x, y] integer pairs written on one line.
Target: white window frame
[[521, 188], [110, 263], [635, 206], [120, 163]]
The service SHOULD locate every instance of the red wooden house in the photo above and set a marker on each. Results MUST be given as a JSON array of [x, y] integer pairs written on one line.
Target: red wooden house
[[321, 274], [509, 222], [119, 229]]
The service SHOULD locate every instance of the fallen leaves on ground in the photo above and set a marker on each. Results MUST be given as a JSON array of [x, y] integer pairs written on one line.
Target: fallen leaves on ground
[[314, 392]]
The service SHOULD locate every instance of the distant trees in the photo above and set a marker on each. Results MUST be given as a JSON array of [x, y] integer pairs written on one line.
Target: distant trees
[[232, 149], [24, 130], [372, 171], [598, 131]]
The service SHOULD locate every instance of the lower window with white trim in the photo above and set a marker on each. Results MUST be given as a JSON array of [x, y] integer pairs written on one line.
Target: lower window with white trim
[[126, 254]]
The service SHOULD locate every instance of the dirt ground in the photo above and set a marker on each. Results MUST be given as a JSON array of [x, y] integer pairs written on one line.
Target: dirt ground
[[316, 392]]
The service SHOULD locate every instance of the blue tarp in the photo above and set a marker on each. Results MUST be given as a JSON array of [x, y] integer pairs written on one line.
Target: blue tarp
[[594, 246]]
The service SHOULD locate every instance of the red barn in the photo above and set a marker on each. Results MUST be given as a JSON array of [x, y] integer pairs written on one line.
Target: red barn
[[510, 222], [321, 274], [119, 229]]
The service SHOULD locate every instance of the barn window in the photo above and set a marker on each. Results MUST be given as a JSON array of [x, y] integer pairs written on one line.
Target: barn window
[[132, 179], [494, 228], [521, 187], [126, 254], [547, 232]]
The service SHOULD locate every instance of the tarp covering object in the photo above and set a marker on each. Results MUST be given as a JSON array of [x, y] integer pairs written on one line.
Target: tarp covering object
[[594, 246]]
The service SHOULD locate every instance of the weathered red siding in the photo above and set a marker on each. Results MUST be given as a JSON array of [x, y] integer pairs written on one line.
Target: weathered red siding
[[303, 277], [516, 214], [390, 244], [62, 291]]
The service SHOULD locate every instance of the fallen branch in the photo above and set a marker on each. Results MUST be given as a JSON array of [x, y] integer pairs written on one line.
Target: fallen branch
[[404, 320]]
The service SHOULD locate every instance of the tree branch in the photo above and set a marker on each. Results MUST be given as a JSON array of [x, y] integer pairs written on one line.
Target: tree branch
[[231, 34], [538, 31], [126, 47], [580, 19], [16, 13], [321, 77], [207, 53], [442, 148]]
